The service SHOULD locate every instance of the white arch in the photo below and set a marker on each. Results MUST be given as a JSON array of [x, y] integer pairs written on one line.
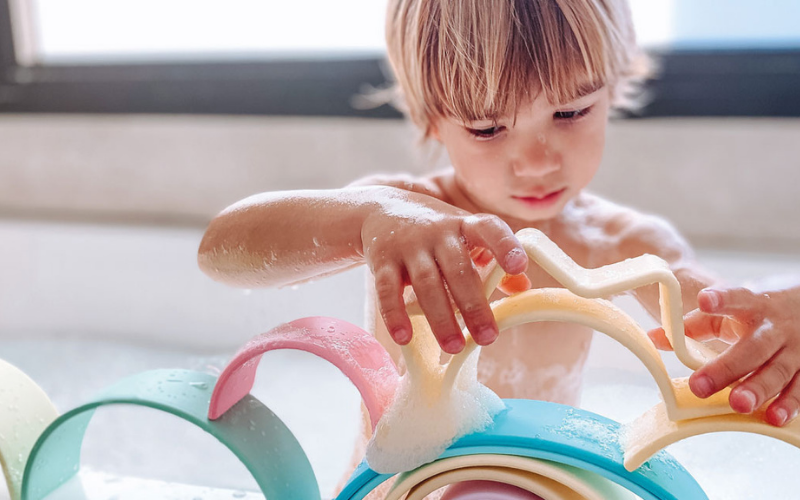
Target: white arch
[[613, 279]]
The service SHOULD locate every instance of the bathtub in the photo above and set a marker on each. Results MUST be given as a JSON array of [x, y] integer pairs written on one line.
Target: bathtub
[[82, 306]]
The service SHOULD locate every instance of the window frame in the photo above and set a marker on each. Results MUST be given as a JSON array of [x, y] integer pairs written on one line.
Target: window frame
[[692, 83]]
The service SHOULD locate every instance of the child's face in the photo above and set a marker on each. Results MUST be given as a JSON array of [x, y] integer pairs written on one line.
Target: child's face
[[528, 166]]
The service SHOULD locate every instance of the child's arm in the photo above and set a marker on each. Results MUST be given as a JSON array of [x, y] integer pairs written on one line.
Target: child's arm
[[405, 237], [763, 324]]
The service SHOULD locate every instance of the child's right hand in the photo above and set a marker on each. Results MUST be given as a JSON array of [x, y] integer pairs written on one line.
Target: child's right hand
[[414, 239]]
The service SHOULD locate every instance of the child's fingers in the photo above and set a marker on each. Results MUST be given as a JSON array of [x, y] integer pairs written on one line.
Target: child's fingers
[[739, 360], [765, 383], [480, 256], [659, 339], [729, 301], [466, 289], [389, 291], [426, 278], [514, 283], [704, 327], [696, 325], [786, 406], [492, 233]]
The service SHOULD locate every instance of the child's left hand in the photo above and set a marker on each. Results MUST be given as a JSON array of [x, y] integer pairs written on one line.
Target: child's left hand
[[763, 327]]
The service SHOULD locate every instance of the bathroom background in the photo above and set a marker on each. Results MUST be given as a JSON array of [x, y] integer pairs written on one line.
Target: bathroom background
[[126, 125]]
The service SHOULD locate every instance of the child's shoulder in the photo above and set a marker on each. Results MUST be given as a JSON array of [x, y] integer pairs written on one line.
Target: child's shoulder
[[430, 185], [615, 232]]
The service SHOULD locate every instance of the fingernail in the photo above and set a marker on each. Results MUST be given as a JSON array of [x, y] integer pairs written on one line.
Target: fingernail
[[713, 298], [703, 386], [487, 336], [454, 345], [515, 257], [781, 415], [750, 400], [402, 336]]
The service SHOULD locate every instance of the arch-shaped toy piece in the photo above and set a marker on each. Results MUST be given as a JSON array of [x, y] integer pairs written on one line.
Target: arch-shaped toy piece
[[274, 458], [561, 434], [26, 412], [654, 431], [541, 486], [358, 355], [549, 480], [613, 279], [556, 304]]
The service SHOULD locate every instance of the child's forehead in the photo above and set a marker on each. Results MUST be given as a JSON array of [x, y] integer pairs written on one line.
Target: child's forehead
[[531, 96]]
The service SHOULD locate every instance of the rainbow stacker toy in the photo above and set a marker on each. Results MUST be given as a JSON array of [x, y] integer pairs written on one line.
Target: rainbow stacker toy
[[554, 451]]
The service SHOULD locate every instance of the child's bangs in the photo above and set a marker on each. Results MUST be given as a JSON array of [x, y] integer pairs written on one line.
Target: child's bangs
[[493, 55]]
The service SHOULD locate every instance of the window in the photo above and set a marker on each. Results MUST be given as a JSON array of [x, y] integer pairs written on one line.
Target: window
[[718, 57], [157, 30], [717, 24], [722, 57]]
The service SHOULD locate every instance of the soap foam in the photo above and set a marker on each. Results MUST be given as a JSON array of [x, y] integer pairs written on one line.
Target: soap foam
[[424, 420]]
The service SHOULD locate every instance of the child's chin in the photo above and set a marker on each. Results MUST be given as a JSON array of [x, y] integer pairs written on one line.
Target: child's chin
[[538, 214]]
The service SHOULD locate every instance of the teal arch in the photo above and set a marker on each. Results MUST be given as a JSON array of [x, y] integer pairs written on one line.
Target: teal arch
[[274, 458]]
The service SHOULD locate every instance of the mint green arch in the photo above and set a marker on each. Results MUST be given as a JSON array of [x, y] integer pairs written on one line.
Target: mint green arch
[[274, 458]]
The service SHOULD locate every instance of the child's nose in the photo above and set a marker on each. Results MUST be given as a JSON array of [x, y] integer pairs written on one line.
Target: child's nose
[[536, 158]]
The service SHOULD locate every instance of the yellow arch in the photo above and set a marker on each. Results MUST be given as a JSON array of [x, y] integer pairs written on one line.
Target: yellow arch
[[556, 304], [654, 431], [681, 414]]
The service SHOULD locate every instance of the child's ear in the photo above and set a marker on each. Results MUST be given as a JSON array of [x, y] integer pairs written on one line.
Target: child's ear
[[433, 133]]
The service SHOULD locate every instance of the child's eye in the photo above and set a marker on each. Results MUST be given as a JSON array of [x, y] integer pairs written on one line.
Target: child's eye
[[485, 133], [571, 115]]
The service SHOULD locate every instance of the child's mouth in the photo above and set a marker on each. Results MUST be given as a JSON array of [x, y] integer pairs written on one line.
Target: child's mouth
[[541, 201]]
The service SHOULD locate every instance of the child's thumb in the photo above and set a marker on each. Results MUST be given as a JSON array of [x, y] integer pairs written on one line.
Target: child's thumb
[[728, 301]]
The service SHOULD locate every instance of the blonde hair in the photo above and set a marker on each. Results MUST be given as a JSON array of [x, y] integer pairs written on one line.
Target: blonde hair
[[477, 59]]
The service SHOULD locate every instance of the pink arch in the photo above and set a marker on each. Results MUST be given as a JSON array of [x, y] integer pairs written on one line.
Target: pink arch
[[355, 352]]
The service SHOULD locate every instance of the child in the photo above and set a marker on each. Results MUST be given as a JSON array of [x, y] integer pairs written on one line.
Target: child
[[519, 93]]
